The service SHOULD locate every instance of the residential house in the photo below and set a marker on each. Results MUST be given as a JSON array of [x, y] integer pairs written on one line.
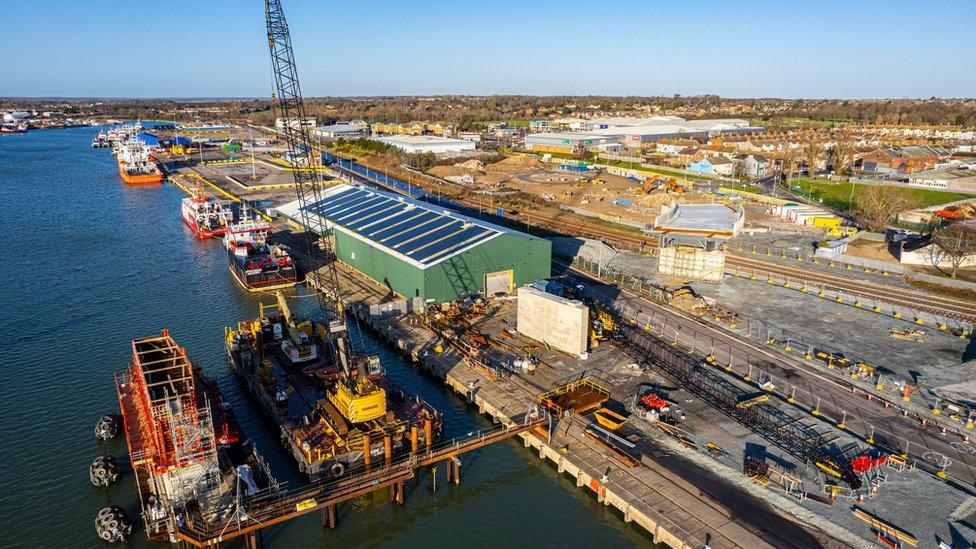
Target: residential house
[[753, 165], [673, 146], [902, 160], [718, 165]]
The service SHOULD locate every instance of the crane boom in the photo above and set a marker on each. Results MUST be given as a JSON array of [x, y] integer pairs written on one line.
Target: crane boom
[[308, 182]]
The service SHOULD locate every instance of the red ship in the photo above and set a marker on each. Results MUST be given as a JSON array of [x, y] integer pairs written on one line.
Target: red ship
[[205, 215]]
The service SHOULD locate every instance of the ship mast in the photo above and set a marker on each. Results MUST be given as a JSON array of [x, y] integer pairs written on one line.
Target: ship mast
[[290, 107]]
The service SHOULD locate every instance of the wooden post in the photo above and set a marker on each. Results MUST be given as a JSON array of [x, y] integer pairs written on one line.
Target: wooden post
[[399, 492], [456, 463], [329, 516], [367, 458]]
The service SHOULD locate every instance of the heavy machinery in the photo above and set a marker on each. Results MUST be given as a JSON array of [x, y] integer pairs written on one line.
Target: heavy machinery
[[672, 186], [334, 407], [648, 185], [601, 326], [302, 157]]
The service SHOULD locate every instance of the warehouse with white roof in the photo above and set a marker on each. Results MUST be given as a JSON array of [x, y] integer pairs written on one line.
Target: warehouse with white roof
[[417, 249]]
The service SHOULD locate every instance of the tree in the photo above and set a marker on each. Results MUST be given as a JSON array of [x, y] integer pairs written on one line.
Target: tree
[[875, 205], [812, 153], [843, 151], [954, 245], [788, 165]]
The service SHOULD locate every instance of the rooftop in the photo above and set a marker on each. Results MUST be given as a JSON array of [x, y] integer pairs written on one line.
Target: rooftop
[[339, 128], [567, 136], [716, 220], [421, 140], [416, 232]]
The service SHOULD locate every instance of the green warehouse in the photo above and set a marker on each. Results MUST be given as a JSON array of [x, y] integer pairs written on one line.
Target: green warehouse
[[422, 250]]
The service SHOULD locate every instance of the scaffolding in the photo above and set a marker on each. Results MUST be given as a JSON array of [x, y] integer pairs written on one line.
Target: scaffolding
[[176, 442]]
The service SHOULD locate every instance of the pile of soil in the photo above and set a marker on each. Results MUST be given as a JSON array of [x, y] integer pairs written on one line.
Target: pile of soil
[[448, 171], [473, 164], [517, 163]]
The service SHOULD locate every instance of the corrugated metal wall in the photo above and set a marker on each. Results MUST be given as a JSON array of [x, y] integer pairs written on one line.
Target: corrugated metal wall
[[459, 276], [403, 278], [463, 274]]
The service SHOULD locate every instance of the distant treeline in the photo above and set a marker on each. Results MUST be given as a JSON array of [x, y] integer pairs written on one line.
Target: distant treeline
[[470, 112]]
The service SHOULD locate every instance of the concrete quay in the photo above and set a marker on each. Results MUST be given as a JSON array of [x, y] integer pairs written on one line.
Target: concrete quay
[[695, 509]]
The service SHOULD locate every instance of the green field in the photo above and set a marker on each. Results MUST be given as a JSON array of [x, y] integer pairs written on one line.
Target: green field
[[838, 194]]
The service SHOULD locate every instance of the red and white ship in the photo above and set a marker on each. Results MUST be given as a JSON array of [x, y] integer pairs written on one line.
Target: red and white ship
[[205, 215], [256, 264]]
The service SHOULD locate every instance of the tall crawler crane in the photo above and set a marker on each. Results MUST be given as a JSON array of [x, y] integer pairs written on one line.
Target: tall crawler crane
[[354, 391]]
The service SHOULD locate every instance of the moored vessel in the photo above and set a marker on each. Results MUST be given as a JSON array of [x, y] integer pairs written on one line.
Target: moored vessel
[[137, 165], [331, 422], [204, 214], [254, 263], [189, 458]]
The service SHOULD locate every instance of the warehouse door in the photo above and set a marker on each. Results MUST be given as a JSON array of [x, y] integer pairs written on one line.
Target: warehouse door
[[498, 283]]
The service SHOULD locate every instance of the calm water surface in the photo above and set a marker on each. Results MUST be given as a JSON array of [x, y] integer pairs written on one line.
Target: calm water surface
[[91, 264]]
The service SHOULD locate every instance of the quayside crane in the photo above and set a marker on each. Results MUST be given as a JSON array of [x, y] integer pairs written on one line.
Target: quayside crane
[[354, 395]]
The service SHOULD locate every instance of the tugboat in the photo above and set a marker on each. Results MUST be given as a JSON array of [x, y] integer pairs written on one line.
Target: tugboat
[[192, 465], [205, 215], [256, 265], [330, 421], [137, 166]]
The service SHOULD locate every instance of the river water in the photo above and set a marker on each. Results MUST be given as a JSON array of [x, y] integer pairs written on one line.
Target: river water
[[92, 264]]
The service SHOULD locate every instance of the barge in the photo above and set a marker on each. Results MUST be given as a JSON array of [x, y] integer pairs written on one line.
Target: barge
[[330, 422], [254, 263], [190, 461]]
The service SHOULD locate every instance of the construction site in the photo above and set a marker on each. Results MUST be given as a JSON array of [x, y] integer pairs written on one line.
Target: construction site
[[697, 376], [698, 365]]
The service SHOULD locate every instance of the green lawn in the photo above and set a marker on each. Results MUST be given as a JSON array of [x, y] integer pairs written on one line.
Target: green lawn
[[838, 194]]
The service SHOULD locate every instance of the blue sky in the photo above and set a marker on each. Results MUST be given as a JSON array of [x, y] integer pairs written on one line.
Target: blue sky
[[211, 48]]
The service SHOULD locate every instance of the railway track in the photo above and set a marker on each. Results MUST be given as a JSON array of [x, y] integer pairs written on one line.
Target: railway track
[[919, 301]]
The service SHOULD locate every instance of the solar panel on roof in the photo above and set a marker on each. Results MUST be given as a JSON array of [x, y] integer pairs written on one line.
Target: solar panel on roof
[[416, 230], [402, 215], [448, 246], [407, 228], [431, 237], [352, 203], [376, 215], [336, 201], [422, 217], [353, 211]]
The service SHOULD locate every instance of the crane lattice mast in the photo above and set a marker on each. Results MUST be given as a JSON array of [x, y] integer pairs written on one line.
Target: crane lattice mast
[[308, 183]]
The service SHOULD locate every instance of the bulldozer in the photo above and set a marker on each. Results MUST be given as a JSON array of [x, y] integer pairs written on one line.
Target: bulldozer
[[672, 186]]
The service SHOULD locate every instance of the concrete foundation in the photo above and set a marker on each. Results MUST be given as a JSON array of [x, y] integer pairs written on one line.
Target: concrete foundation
[[556, 321], [691, 262]]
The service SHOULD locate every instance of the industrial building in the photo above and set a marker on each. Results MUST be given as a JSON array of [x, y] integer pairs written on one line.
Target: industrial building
[[565, 142], [417, 249], [634, 132], [339, 131], [308, 122], [426, 143]]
